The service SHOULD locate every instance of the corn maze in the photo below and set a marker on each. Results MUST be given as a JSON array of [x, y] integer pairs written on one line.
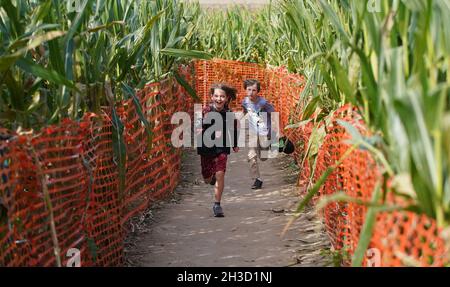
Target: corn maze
[[60, 187], [88, 89]]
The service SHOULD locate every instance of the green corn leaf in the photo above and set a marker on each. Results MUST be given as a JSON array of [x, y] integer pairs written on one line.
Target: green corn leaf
[[42, 12], [356, 135], [186, 86], [55, 52], [105, 26], [297, 125], [143, 37], [7, 61], [342, 78], [367, 229], [311, 108], [45, 73], [17, 99], [190, 54], [14, 16], [77, 21], [119, 149], [129, 92], [337, 23], [68, 64]]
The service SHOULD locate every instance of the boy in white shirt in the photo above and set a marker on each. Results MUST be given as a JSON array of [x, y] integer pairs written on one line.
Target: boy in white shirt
[[259, 127]]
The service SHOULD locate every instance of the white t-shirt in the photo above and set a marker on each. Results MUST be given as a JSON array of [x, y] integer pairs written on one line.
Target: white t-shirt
[[259, 122]]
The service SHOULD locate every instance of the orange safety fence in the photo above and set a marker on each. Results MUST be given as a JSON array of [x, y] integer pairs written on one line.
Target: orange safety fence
[[59, 188], [405, 238], [397, 235]]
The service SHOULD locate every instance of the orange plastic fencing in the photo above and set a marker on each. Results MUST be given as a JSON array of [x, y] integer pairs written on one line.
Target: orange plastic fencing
[[356, 176], [398, 237], [405, 238], [59, 189]]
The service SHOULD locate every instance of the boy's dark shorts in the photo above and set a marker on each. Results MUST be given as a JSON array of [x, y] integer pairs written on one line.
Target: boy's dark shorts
[[213, 163]]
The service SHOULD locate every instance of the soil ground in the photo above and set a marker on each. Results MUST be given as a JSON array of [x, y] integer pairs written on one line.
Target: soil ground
[[181, 230]]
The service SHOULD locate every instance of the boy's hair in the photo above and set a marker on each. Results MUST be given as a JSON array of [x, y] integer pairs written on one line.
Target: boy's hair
[[229, 90], [251, 82]]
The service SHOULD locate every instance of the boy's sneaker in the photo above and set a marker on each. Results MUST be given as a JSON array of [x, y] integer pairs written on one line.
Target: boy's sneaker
[[257, 185], [218, 212], [213, 180]]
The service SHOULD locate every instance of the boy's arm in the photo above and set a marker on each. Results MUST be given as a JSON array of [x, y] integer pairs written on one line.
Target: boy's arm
[[244, 110], [244, 106], [268, 107], [198, 124]]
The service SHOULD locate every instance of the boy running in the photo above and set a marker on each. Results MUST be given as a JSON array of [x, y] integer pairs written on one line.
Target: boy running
[[216, 138]]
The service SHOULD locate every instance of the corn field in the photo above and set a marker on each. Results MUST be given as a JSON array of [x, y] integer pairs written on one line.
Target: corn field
[[56, 62], [390, 60]]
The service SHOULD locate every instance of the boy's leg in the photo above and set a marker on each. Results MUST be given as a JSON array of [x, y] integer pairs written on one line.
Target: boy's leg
[[220, 167], [263, 148], [207, 163], [253, 160], [256, 154], [252, 157], [220, 182]]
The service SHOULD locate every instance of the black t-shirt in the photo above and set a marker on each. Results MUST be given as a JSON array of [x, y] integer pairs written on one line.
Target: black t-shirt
[[228, 132]]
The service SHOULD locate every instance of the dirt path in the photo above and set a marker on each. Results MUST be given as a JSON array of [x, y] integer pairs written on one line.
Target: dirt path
[[182, 231]]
